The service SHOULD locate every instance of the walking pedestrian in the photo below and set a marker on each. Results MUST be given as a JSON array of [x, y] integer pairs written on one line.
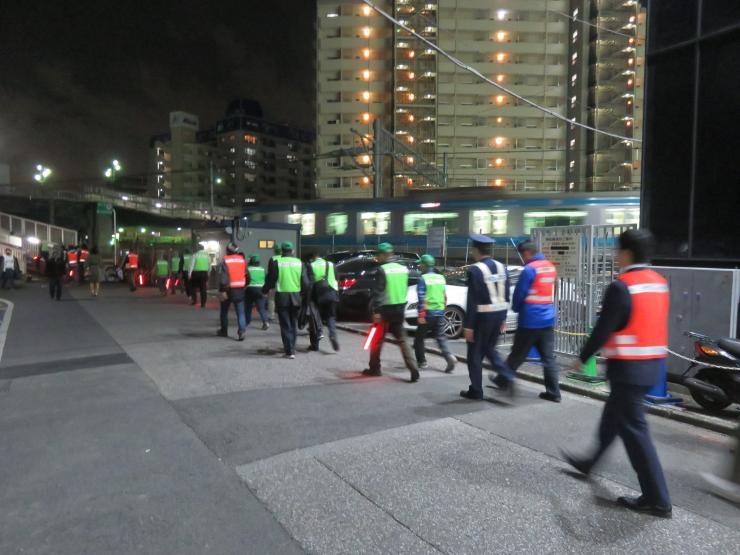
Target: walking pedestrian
[[131, 265], [325, 295], [485, 313], [185, 271], [82, 255], [232, 281], [432, 302], [55, 270], [533, 299], [162, 273], [200, 263], [287, 276], [632, 332], [175, 270], [388, 305], [277, 252], [8, 266], [94, 266], [254, 296], [72, 259]]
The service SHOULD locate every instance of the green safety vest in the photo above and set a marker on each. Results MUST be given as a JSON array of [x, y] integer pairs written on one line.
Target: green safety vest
[[256, 276], [202, 261], [175, 264], [319, 272], [396, 283], [186, 263], [162, 268], [289, 274], [435, 291]]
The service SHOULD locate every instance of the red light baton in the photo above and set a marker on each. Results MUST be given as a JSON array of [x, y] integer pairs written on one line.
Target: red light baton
[[141, 279], [370, 336], [167, 283]]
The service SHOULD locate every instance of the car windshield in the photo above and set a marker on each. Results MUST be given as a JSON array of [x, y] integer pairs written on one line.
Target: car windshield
[[458, 276]]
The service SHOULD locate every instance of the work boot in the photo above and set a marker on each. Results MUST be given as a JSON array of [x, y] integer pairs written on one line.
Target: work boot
[[581, 465], [241, 336], [549, 397], [451, 362], [472, 395], [414, 376]]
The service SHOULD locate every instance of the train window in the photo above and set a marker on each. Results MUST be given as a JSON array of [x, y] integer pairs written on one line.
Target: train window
[[336, 223], [622, 216], [489, 222], [375, 223], [307, 221], [417, 223], [553, 218]]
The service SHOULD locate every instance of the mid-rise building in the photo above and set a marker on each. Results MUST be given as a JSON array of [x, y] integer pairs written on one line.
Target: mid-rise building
[[243, 158], [369, 68]]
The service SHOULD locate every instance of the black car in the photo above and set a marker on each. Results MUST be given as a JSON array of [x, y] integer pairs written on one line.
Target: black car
[[356, 278], [341, 256]]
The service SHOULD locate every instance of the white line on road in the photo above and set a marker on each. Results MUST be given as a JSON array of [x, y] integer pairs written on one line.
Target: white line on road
[[5, 324]]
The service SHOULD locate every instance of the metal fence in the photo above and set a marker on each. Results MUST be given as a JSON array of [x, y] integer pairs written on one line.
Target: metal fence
[[585, 258]]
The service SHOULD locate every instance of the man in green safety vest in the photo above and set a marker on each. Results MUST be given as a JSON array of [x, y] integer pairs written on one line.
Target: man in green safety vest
[[325, 296], [185, 271], [162, 271], [277, 253], [388, 306], [175, 270], [254, 297], [200, 264], [288, 277], [432, 303]]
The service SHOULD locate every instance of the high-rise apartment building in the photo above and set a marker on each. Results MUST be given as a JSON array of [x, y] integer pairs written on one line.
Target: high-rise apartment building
[[244, 158], [368, 68], [605, 90]]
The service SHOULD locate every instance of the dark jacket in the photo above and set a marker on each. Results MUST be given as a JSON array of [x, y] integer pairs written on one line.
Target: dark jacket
[[616, 310], [55, 267], [16, 266], [478, 292]]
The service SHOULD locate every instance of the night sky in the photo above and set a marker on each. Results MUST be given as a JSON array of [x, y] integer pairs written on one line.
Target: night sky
[[82, 82]]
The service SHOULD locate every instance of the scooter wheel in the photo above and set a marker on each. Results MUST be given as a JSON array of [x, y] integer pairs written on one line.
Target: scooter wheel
[[707, 402]]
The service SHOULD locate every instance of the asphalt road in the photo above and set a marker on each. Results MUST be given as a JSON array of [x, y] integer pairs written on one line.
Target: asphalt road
[[127, 427]]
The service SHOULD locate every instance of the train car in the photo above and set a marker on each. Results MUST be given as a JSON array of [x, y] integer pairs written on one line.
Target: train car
[[329, 225]]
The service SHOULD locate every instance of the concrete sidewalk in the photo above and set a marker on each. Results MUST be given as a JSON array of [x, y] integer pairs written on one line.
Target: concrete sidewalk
[[181, 442]]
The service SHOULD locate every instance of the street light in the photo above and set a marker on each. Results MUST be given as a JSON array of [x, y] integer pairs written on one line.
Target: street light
[[111, 172], [42, 174]]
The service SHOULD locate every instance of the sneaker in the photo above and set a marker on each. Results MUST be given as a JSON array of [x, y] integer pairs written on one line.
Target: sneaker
[[451, 362], [422, 365], [241, 337], [313, 348], [290, 356], [334, 344], [265, 326]]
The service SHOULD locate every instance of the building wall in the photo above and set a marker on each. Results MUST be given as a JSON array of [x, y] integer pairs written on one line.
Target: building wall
[[4, 174]]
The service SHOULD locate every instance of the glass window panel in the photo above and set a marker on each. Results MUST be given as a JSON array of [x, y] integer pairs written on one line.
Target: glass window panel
[[417, 223], [489, 222], [307, 221], [336, 223], [553, 218], [375, 223], [619, 216]]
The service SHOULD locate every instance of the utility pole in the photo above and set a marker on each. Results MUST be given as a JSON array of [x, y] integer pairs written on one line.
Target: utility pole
[[377, 160]]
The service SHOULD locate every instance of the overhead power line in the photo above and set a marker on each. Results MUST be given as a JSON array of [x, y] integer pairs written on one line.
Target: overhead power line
[[478, 74]]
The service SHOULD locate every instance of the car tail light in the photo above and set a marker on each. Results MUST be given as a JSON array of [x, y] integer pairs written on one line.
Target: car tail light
[[705, 350], [347, 283]]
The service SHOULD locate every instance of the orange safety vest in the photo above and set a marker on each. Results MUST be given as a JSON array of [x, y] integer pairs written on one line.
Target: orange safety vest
[[646, 334], [72, 258], [133, 261], [543, 286], [237, 268], [84, 253]]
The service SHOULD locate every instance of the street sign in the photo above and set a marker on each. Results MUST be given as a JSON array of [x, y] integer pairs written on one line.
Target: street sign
[[105, 208], [564, 251], [436, 241]]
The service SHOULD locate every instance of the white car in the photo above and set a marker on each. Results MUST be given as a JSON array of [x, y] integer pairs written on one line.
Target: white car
[[457, 298]]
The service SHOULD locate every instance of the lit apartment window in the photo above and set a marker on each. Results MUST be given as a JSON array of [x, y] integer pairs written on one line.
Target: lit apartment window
[[572, 164], [501, 14], [489, 222], [575, 13], [366, 53], [366, 31], [366, 10], [572, 143], [498, 141], [573, 58], [251, 139], [500, 78], [573, 79], [501, 36], [500, 57], [575, 36], [573, 100]]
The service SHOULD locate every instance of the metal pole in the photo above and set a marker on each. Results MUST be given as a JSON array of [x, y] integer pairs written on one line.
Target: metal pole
[[444, 246], [377, 160], [467, 248], [444, 167], [210, 171], [115, 238]]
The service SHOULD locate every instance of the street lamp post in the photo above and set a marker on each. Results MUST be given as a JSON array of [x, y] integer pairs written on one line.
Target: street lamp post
[[111, 172], [43, 173]]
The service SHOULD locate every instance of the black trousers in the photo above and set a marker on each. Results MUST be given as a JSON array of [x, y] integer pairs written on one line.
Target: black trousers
[[327, 314], [199, 282], [391, 322], [435, 324], [55, 287], [544, 340], [624, 416], [486, 331], [288, 317]]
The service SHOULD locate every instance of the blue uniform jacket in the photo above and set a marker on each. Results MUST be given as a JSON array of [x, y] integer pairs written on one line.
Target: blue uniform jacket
[[478, 292], [533, 316], [421, 291]]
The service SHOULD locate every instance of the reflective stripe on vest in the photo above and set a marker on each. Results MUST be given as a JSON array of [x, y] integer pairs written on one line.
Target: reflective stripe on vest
[[543, 285], [496, 285], [256, 276], [236, 266], [133, 261], [396, 283], [434, 298], [289, 274], [162, 268], [646, 334], [202, 261], [319, 267]]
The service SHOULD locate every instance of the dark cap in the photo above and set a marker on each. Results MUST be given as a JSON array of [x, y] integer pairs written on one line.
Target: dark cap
[[483, 239]]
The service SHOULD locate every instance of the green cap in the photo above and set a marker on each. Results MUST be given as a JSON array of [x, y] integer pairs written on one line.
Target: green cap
[[276, 248], [254, 257], [287, 246], [427, 260], [385, 248]]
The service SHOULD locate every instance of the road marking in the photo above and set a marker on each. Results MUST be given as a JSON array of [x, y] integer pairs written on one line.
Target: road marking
[[5, 324]]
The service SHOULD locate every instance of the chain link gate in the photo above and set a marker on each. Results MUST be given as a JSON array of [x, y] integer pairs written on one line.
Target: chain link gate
[[586, 263]]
